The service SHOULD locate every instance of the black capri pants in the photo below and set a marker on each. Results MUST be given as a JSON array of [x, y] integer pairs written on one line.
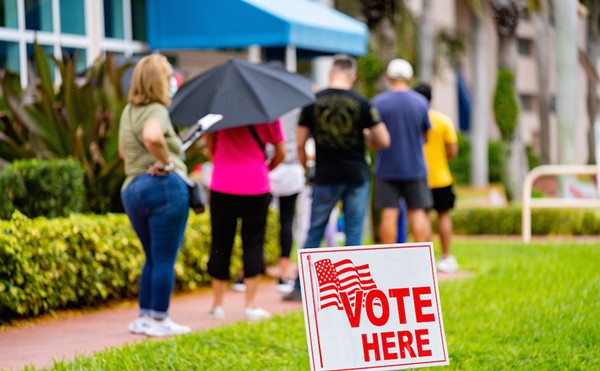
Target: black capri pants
[[225, 210]]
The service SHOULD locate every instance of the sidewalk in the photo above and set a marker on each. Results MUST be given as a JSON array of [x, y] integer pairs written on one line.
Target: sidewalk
[[83, 334], [65, 338]]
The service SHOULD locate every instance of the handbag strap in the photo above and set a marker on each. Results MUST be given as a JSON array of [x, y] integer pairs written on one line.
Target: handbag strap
[[186, 179], [257, 138]]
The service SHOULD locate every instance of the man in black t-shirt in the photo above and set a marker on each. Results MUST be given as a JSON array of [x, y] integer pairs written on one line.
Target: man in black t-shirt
[[342, 123]]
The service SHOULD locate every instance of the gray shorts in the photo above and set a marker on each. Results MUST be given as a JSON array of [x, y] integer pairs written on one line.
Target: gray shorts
[[416, 193]]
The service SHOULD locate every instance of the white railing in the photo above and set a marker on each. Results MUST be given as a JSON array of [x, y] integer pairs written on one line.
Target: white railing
[[529, 203]]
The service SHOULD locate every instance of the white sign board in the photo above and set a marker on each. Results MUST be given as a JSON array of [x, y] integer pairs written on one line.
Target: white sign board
[[372, 307]]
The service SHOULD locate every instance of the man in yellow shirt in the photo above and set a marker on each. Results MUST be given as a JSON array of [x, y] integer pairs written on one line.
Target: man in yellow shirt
[[442, 144]]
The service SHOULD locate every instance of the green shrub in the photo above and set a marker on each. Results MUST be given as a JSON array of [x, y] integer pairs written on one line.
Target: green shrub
[[495, 161], [506, 108], [461, 165], [507, 221], [86, 260], [369, 71], [49, 188], [77, 118]]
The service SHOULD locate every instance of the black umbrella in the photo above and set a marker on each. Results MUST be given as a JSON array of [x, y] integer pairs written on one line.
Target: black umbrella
[[243, 92]]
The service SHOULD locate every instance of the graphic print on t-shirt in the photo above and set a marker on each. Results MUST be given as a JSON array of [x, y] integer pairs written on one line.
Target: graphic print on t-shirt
[[336, 115]]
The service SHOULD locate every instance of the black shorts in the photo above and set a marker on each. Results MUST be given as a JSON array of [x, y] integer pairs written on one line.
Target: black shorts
[[416, 194], [443, 198]]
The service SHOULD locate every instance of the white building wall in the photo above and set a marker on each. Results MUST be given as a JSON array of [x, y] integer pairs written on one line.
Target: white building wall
[[454, 14], [444, 85]]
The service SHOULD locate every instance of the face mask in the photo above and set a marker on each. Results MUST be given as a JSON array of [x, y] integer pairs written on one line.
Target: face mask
[[172, 86]]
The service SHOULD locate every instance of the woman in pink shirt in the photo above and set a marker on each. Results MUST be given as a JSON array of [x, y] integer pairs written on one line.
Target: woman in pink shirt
[[240, 189]]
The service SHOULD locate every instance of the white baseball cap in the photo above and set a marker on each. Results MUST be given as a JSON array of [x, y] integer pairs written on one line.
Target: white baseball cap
[[399, 69]]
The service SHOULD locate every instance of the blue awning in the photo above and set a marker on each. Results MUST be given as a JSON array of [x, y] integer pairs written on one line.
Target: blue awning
[[219, 24]]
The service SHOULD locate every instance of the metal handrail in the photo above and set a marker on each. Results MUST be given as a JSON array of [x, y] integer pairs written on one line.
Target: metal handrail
[[553, 202]]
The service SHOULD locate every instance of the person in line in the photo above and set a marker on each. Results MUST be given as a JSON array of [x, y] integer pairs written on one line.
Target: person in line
[[287, 181], [442, 144], [240, 189], [400, 170], [342, 122], [154, 197]]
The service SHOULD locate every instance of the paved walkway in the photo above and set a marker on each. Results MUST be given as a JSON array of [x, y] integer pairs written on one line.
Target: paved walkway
[[85, 333]]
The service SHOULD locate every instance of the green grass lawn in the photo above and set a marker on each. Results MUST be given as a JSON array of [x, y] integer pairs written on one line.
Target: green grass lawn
[[528, 307]]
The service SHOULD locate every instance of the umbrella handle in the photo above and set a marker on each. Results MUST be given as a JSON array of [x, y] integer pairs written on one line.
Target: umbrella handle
[[190, 140], [203, 125]]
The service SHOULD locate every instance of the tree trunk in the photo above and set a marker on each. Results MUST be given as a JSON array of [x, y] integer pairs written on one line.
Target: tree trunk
[[506, 17], [507, 53], [593, 52], [540, 22], [481, 106], [426, 44], [567, 64], [383, 41], [517, 166]]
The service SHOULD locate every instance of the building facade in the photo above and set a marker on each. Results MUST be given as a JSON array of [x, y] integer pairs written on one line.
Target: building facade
[[455, 15], [87, 28]]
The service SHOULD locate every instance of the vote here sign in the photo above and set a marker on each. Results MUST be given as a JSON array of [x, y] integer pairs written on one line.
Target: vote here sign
[[372, 307]]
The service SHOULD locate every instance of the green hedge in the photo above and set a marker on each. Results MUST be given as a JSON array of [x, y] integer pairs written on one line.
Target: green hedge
[[51, 188], [507, 221], [460, 166], [86, 260]]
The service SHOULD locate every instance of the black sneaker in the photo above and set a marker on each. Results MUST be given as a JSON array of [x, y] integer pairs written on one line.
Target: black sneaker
[[294, 295]]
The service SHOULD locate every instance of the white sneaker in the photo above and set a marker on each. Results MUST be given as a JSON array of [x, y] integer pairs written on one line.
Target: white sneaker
[[447, 265], [139, 325], [216, 313], [285, 286], [165, 327], [255, 314], [239, 287]]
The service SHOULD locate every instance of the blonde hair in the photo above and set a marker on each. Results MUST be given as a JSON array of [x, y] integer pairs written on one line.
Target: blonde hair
[[150, 81]]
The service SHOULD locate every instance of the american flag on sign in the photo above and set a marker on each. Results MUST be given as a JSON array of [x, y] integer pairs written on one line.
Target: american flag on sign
[[342, 276]]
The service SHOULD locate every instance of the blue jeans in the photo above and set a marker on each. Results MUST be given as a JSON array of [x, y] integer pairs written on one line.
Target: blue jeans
[[158, 210], [354, 197]]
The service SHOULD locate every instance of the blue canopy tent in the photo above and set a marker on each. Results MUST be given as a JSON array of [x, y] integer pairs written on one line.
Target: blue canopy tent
[[219, 24]]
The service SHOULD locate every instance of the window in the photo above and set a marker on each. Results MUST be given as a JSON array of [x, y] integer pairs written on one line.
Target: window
[[138, 20], [8, 14], [38, 15], [113, 19], [72, 18], [524, 46], [48, 51], [9, 56], [80, 54], [526, 102]]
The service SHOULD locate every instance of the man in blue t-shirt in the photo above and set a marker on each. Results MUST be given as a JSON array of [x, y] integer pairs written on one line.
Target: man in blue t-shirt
[[400, 170]]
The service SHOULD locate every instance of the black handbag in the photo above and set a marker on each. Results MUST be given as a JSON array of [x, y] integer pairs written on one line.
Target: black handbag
[[197, 193], [197, 197]]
